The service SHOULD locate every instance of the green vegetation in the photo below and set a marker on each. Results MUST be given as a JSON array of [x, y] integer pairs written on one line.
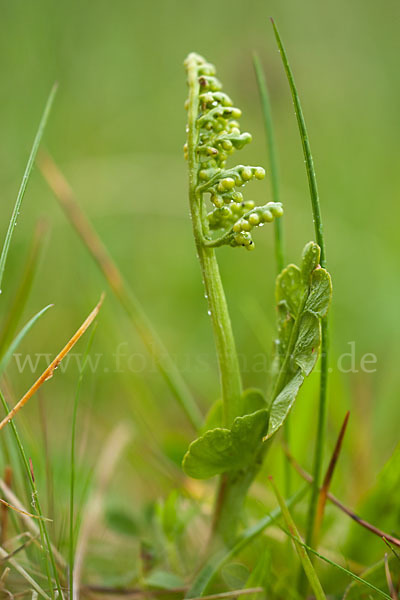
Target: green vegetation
[[149, 459]]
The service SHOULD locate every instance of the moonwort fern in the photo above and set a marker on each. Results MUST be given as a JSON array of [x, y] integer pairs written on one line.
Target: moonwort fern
[[235, 442]]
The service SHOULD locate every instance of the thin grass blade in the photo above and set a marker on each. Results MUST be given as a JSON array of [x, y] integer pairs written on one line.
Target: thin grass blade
[[337, 566], [272, 157], [17, 340], [304, 558], [24, 574], [319, 233], [24, 183], [21, 296]]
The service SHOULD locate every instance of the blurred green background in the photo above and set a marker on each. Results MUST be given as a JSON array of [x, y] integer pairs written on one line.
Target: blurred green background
[[117, 131]]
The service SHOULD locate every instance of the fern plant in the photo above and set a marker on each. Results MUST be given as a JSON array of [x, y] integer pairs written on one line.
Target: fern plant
[[241, 426]]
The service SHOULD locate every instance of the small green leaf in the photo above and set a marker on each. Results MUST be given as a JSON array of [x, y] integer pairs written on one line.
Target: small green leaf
[[164, 580], [320, 293], [305, 353], [222, 450], [214, 416], [120, 520], [309, 260], [253, 400], [289, 289], [303, 297], [283, 403]]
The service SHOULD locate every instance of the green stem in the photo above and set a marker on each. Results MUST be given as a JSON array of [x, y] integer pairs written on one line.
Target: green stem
[[226, 514], [231, 496], [231, 382], [312, 182]]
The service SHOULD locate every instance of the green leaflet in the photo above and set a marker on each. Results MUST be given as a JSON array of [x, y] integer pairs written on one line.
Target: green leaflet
[[252, 400], [222, 450], [303, 296], [283, 403], [164, 581]]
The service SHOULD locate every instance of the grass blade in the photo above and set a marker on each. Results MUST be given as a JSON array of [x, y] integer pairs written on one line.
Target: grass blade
[[168, 369], [21, 296], [272, 156], [17, 340], [23, 573], [305, 559], [312, 182], [24, 183], [385, 536], [48, 373], [9, 419], [339, 567], [44, 535]]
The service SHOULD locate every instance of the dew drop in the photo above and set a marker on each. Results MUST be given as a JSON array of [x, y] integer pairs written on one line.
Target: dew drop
[[209, 313]]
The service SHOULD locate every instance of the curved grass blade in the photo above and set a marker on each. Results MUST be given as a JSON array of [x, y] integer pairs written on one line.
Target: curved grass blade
[[21, 296], [17, 340], [316, 210], [216, 562], [24, 183], [305, 559]]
